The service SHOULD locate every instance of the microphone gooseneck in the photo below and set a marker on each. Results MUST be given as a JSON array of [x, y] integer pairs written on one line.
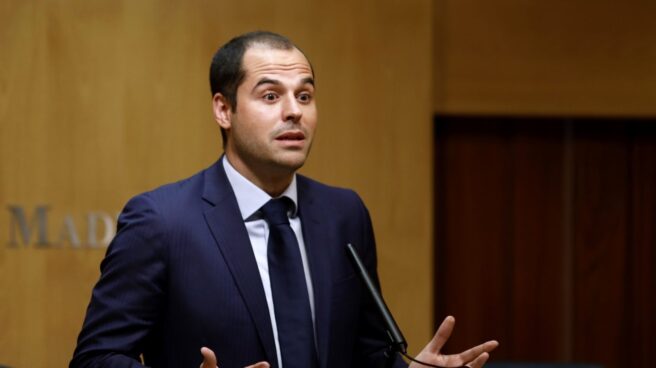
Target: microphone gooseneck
[[397, 341]]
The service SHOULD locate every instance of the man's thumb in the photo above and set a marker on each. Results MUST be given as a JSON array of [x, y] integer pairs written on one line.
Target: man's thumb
[[209, 359]]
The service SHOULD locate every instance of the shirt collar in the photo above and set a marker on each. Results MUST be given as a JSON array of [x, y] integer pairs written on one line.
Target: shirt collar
[[250, 198]]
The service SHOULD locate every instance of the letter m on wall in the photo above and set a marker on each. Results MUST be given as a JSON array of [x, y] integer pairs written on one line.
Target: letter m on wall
[[22, 230]]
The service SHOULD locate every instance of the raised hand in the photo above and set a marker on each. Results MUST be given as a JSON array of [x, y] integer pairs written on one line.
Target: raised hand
[[474, 357]]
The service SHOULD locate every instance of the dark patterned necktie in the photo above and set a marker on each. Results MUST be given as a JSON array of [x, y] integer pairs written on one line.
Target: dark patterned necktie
[[288, 288]]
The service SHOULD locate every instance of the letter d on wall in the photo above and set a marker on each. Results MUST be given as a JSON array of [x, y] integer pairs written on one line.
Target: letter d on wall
[[92, 226]]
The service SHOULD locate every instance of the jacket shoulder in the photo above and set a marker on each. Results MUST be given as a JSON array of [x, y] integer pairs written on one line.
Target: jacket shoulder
[[338, 200], [316, 188]]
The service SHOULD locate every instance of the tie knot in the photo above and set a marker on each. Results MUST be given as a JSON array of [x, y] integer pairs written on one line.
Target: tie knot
[[274, 212]]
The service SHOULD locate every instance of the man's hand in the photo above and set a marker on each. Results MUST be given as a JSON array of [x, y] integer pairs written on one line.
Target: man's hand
[[209, 360], [474, 357]]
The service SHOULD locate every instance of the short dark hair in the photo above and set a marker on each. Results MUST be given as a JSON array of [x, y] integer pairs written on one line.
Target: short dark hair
[[226, 71]]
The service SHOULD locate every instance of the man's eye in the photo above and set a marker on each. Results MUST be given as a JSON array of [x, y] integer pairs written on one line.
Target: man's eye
[[270, 96], [305, 97]]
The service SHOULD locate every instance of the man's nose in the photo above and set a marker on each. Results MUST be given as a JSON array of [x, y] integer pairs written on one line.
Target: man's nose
[[292, 110]]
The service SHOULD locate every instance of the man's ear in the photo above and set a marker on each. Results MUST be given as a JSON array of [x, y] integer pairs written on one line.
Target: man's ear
[[222, 111]]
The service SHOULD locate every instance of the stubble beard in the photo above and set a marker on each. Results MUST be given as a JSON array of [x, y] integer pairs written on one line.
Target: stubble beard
[[269, 161]]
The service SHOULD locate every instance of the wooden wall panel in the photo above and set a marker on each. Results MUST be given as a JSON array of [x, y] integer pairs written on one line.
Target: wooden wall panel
[[600, 243], [545, 237], [469, 159], [497, 267], [561, 57], [537, 254], [642, 257], [102, 100]]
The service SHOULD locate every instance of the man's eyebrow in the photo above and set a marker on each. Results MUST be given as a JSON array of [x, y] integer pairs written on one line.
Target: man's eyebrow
[[266, 81], [308, 80]]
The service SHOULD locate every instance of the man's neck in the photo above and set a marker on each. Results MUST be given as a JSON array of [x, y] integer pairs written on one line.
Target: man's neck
[[270, 179]]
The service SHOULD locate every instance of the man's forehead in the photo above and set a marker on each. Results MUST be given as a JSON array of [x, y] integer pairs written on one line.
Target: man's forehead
[[261, 59]]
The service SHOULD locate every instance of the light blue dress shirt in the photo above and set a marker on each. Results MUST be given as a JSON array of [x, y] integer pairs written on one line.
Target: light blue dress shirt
[[250, 199]]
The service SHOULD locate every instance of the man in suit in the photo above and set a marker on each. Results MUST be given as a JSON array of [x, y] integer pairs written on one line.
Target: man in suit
[[198, 263]]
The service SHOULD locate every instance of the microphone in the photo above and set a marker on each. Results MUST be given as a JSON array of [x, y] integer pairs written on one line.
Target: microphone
[[397, 341]]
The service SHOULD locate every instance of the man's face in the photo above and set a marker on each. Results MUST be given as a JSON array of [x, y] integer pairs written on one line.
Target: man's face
[[271, 130]]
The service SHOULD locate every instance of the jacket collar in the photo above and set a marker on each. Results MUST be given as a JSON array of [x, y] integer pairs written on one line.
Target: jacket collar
[[229, 232], [226, 224]]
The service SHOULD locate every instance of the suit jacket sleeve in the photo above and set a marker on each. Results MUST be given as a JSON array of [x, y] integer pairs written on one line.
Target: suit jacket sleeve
[[126, 301]]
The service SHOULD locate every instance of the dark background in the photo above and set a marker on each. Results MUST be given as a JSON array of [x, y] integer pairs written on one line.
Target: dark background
[[545, 236]]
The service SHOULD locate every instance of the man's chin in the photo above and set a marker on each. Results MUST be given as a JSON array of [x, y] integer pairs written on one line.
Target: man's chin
[[292, 160]]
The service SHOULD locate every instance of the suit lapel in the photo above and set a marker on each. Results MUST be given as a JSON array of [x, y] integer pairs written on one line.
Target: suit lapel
[[227, 227], [314, 236]]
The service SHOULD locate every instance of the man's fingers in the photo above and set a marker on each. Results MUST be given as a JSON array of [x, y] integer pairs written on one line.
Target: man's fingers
[[259, 365], [209, 359], [442, 335], [479, 361], [475, 353]]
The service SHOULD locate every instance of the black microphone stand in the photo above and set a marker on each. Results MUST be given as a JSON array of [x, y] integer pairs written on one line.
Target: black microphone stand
[[397, 343]]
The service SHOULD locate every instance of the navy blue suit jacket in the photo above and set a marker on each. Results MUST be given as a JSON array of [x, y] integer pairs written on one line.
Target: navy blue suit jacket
[[181, 274]]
